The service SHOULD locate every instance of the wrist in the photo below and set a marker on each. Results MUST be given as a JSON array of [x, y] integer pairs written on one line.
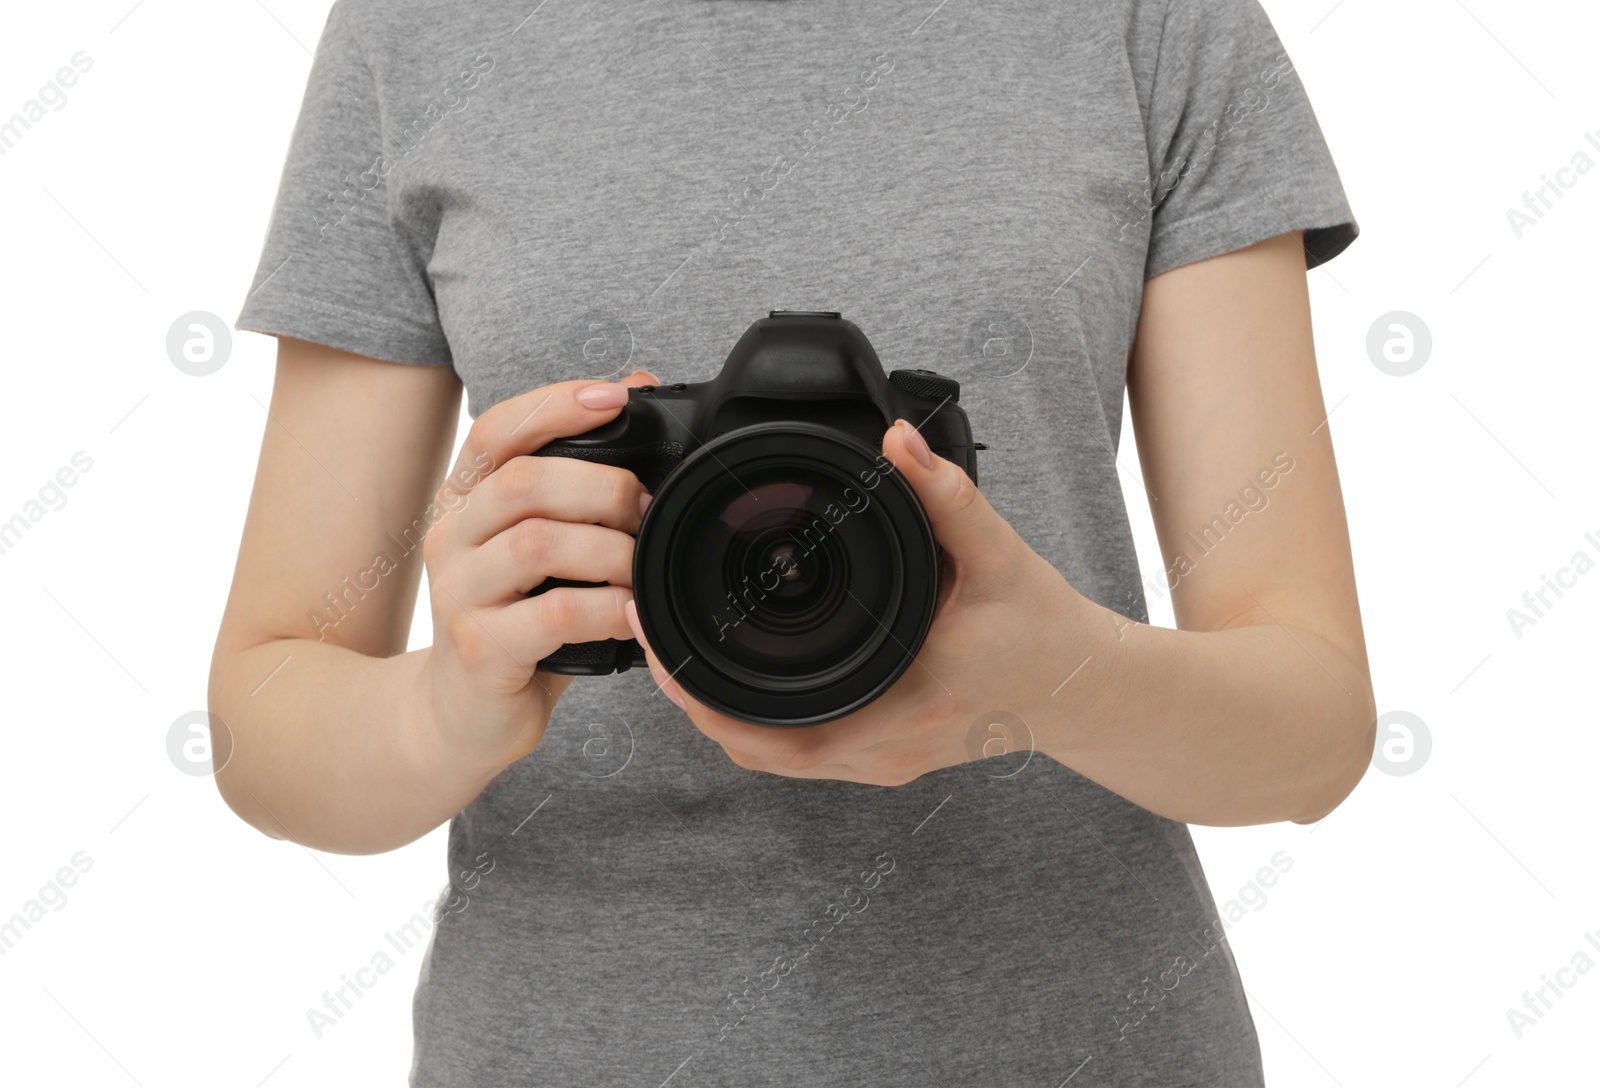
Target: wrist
[[1088, 644], [431, 747]]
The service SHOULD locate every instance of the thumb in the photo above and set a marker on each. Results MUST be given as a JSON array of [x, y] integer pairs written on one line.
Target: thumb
[[641, 377], [963, 521]]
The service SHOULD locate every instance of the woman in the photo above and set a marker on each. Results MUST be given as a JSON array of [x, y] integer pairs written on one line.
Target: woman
[[985, 875]]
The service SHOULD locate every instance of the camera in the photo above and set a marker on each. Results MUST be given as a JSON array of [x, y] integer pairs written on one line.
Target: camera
[[783, 572]]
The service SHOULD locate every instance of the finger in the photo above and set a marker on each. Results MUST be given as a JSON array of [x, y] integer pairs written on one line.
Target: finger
[[963, 521], [664, 682], [516, 560], [533, 628], [558, 488], [524, 423]]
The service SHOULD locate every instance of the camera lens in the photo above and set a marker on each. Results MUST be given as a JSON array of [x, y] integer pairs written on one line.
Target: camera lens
[[785, 574], [782, 569]]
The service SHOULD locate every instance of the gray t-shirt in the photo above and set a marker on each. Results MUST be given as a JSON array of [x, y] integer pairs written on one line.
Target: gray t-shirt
[[531, 192]]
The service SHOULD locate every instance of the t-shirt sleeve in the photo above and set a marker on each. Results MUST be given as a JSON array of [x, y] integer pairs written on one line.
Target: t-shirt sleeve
[[337, 267], [1236, 154]]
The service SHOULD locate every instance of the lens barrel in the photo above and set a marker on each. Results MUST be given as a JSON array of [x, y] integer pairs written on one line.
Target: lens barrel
[[785, 575]]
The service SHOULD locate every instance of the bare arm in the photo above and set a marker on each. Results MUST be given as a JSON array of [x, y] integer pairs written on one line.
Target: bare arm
[[1260, 706], [342, 740]]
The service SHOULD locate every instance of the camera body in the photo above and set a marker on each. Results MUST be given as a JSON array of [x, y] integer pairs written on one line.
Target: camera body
[[772, 499]]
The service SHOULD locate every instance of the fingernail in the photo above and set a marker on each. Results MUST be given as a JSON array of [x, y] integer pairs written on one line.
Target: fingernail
[[644, 502], [606, 395], [915, 443], [633, 621]]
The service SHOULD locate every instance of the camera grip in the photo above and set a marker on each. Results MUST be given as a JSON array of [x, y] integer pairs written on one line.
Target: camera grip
[[600, 658], [649, 461]]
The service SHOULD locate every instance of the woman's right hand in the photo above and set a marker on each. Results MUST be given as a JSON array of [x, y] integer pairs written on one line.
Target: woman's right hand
[[510, 521]]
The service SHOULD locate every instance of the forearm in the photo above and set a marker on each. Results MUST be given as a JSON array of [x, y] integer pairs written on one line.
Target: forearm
[[337, 750], [1251, 724]]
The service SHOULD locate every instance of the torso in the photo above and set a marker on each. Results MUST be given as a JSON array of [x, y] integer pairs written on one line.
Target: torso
[[632, 185]]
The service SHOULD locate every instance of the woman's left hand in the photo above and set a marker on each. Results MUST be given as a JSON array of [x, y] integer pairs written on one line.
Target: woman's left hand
[[1000, 641]]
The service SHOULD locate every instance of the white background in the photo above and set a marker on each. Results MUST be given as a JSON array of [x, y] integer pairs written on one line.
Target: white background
[[1412, 919]]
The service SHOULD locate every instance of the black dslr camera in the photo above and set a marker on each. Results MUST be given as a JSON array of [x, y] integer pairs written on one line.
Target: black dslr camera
[[784, 573]]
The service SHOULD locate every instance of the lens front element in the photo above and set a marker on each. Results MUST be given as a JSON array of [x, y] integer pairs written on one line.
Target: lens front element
[[782, 572]]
